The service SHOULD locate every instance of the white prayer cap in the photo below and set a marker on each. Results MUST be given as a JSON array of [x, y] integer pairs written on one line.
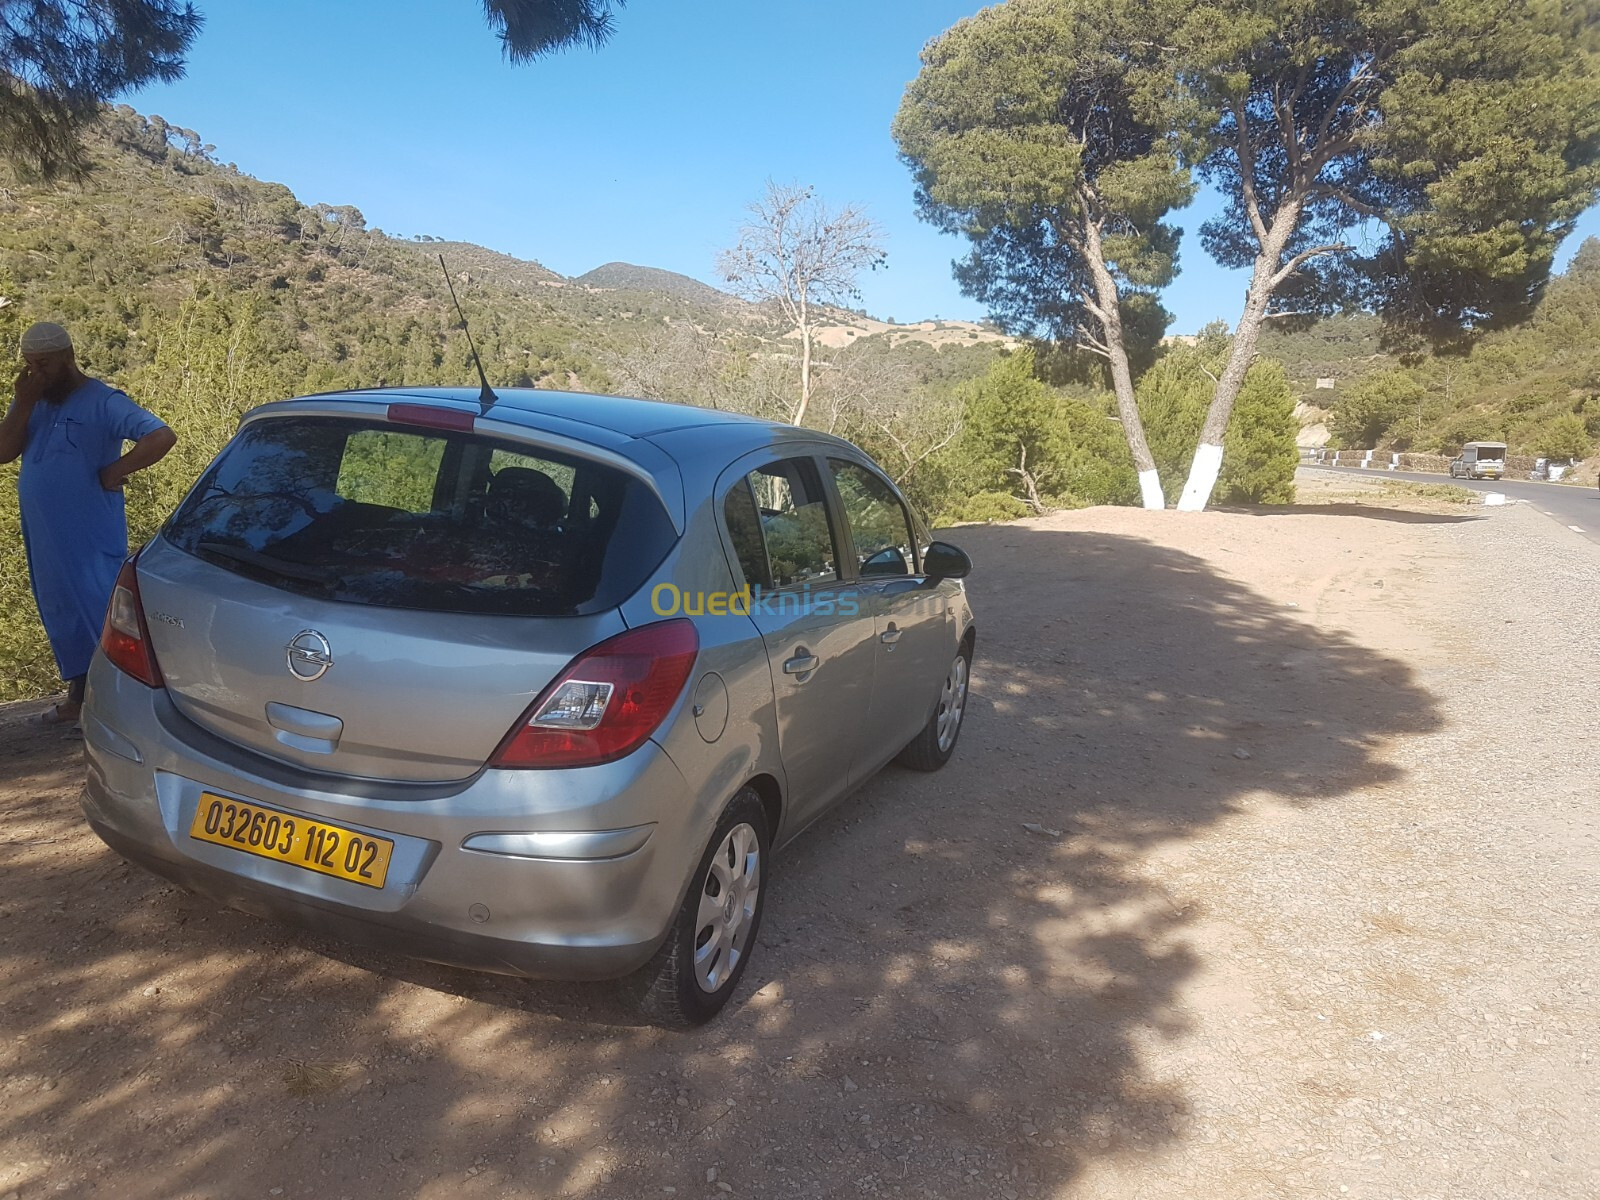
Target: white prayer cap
[[44, 338]]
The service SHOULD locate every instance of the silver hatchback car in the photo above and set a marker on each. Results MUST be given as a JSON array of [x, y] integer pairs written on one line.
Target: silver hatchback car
[[534, 689]]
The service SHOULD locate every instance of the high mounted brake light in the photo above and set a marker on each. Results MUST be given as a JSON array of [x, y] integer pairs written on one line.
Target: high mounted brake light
[[608, 701], [125, 637], [432, 418]]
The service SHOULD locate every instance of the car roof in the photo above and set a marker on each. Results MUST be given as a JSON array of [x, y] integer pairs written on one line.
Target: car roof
[[684, 431], [618, 414]]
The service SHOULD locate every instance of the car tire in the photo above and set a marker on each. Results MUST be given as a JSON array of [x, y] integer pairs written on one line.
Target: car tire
[[932, 748], [684, 985]]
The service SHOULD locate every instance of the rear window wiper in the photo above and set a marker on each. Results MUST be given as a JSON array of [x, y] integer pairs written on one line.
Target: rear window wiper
[[266, 562]]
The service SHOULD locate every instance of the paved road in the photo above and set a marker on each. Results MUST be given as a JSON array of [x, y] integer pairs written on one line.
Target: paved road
[[1576, 507]]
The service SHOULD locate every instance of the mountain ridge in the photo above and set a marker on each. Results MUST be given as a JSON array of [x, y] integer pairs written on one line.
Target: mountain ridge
[[635, 277]]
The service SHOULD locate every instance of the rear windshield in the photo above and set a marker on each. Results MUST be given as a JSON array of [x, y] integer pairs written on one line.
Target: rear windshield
[[372, 513]]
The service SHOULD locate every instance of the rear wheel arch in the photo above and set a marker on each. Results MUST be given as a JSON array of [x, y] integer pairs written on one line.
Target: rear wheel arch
[[771, 795]]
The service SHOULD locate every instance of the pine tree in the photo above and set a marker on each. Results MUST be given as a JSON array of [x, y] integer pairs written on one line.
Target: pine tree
[[60, 62]]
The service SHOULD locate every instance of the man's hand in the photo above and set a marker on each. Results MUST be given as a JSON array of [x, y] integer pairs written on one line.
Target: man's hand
[[29, 387], [147, 450], [14, 426]]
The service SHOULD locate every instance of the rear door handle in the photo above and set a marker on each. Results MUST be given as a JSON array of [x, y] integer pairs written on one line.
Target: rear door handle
[[890, 635], [802, 664]]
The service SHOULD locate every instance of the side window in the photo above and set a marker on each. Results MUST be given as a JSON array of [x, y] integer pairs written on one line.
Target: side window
[[793, 518], [885, 543], [395, 470], [744, 526]]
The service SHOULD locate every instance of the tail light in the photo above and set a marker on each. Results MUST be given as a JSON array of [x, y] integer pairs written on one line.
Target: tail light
[[607, 702], [125, 637]]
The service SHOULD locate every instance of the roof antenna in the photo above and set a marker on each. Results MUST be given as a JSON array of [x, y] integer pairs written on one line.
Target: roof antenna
[[486, 397]]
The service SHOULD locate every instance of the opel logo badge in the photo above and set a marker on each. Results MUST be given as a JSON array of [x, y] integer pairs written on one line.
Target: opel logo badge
[[310, 656]]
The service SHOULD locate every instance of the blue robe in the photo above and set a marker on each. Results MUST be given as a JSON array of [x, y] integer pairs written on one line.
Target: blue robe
[[74, 531]]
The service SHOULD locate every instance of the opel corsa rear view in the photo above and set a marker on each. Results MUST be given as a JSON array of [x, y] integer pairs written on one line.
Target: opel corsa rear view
[[534, 686]]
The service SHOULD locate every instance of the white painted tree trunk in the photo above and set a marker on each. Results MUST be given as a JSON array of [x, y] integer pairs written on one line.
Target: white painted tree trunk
[[1150, 490], [1203, 474], [1107, 308]]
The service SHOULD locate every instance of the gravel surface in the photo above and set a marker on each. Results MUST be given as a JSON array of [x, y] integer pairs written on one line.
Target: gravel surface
[[1265, 868]]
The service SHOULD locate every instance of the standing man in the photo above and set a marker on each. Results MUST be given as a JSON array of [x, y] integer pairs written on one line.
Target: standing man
[[68, 430]]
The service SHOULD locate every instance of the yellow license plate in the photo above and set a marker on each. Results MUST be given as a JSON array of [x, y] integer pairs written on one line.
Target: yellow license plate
[[313, 845]]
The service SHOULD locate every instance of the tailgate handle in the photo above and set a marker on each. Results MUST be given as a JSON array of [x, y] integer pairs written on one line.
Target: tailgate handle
[[304, 722]]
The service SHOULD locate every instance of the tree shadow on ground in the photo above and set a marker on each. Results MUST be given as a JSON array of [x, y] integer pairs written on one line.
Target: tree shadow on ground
[[1372, 512], [945, 1002]]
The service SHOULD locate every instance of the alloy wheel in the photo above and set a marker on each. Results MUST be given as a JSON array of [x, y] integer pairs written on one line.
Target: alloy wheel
[[729, 893], [952, 702]]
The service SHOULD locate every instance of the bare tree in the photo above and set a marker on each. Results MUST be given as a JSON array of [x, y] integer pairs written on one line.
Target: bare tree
[[798, 253], [874, 398], [1030, 485], [670, 362], [684, 364]]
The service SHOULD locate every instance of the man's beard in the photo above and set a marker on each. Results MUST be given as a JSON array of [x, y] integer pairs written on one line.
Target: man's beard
[[57, 390]]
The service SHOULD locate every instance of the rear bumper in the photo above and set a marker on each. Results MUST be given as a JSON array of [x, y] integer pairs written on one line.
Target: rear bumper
[[394, 933], [561, 909]]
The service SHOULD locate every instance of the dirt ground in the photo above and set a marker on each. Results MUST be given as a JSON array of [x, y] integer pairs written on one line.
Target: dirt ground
[[1309, 910]]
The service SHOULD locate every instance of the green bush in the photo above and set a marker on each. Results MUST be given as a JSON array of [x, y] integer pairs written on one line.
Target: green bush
[[1069, 445], [1469, 427], [1588, 411], [1173, 396], [1371, 407], [1011, 425], [1259, 455], [1097, 467], [1564, 437], [985, 506]]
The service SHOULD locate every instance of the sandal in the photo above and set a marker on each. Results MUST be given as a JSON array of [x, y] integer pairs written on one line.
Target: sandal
[[53, 716]]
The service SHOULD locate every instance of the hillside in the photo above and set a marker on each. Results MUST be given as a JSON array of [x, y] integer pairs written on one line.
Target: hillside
[[478, 263], [1535, 386], [319, 299], [621, 276], [844, 328], [1336, 351]]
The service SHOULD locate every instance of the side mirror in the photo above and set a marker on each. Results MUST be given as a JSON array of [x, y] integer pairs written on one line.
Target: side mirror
[[941, 560], [888, 562]]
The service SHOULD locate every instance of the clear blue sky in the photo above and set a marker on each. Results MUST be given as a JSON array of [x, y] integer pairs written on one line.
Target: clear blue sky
[[644, 152]]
